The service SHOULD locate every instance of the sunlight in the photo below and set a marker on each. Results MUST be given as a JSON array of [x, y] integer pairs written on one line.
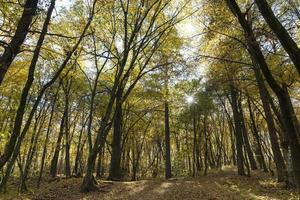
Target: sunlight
[[152, 99], [189, 99]]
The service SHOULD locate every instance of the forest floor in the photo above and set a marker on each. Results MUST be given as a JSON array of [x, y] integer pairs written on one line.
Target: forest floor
[[221, 185]]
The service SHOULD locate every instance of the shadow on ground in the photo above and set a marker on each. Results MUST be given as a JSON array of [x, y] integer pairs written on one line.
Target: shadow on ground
[[223, 185]]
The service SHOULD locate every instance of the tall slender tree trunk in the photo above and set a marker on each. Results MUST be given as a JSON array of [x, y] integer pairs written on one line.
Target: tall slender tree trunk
[[77, 171], [67, 134], [47, 139], [32, 152], [134, 165], [238, 132], [259, 152], [89, 183], [282, 34], [54, 161], [168, 173], [196, 143], [11, 163], [115, 164], [10, 145], [99, 164], [196, 162], [13, 48], [233, 146], [278, 158], [252, 161], [282, 95], [206, 156]]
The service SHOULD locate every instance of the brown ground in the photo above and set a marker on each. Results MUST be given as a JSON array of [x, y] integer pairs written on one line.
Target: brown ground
[[223, 185]]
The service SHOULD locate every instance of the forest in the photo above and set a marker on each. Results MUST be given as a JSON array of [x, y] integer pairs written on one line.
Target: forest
[[149, 99]]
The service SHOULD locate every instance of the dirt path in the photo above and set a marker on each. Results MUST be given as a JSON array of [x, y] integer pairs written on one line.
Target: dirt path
[[224, 185]]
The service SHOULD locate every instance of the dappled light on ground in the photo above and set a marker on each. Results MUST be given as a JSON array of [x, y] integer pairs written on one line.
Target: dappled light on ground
[[221, 185], [195, 99]]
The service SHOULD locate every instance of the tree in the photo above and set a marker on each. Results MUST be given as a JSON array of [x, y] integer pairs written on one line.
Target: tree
[[282, 34], [282, 94], [12, 48]]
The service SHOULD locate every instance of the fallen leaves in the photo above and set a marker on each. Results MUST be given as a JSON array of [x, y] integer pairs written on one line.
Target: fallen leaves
[[218, 186]]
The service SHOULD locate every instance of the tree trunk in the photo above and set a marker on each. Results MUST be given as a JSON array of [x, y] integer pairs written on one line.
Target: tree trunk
[[282, 95], [67, 135], [115, 164], [246, 138], [47, 139], [54, 161], [32, 152], [168, 173], [13, 48], [238, 132], [196, 143], [206, 146], [99, 164], [77, 171], [10, 145], [285, 39], [89, 182], [11, 163], [259, 153], [278, 158]]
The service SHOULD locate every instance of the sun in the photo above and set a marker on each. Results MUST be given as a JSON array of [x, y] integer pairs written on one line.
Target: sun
[[189, 99]]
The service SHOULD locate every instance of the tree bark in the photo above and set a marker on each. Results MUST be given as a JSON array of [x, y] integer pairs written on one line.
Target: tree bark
[[13, 48], [282, 95], [282, 34], [67, 130], [259, 152], [32, 150], [238, 132], [206, 156], [115, 164], [9, 148], [168, 173], [47, 138], [54, 161], [89, 183], [99, 164], [77, 170], [252, 161], [278, 158]]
